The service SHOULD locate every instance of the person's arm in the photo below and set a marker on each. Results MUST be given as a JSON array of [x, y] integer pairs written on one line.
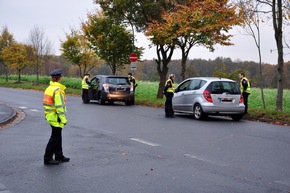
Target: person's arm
[[245, 84], [59, 102], [87, 81]]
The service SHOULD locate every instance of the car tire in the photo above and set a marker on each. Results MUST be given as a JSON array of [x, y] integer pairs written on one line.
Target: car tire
[[198, 112], [237, 117]]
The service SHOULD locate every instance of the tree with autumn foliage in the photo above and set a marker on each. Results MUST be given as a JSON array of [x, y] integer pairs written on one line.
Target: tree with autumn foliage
[[110, 40], [76, 50], [6, 39], [203, 23], [141, 13], [17, 56]]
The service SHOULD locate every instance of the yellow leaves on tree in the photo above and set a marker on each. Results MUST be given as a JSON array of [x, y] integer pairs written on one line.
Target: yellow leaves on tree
[[207, 21]]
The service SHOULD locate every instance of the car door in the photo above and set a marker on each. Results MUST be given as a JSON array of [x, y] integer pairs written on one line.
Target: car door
[[178, 101], [190, 94]]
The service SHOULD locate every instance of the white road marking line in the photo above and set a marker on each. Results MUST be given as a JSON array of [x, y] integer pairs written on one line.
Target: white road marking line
[[204, 160], [34, 110], [145, 142], [283, 183], [23, 107]]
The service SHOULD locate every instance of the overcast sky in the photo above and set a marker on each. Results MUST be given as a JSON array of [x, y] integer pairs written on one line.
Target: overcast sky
[[56, 17]]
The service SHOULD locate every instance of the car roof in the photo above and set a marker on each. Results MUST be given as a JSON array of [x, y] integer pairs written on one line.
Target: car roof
[[211, 79], [110, 76]]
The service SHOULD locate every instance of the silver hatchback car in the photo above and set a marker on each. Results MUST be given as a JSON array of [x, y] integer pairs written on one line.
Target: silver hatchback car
[[203, 96]]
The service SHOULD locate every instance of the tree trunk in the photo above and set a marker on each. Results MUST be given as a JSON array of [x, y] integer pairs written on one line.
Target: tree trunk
[[278, 23], [19, 76], [162, 65], [6, 72], [183, 65]]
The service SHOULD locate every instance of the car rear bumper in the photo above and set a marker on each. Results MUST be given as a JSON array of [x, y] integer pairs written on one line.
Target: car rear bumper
[[118, 97], [224, 110]]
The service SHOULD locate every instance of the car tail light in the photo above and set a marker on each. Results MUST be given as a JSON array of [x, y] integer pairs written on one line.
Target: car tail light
[[131, 88], [207, 96], [241, 99], [106, 87]]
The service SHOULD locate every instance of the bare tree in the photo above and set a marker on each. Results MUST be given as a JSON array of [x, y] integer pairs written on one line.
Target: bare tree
[[279, 11], [42, 49], [251, 11]]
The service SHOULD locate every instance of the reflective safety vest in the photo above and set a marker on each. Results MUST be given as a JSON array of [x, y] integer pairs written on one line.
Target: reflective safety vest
[[84, 83], [131, 79], [54, 101], [170, 89], [248, 90]]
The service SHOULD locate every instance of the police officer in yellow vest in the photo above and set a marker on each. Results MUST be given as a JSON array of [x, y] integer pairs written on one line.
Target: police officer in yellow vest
[[245, 87], [85, 88], [132, 80], [54, 103], [169, 92]]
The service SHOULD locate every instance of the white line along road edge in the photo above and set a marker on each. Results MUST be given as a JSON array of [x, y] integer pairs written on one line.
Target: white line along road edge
[[145, 142]]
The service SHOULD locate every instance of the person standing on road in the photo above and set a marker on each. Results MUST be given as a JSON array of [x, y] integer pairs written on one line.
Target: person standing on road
[[132, 80], [85, 87], [245, 87], [54, 104], [169, 92]]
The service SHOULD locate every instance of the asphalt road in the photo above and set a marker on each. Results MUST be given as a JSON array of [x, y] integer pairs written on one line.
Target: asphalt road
[[130, 149]]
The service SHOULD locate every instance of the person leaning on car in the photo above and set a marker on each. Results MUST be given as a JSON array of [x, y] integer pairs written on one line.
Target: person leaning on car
[[169, 92], [54, 104], [245, 87], [85, 87], [132, 80]]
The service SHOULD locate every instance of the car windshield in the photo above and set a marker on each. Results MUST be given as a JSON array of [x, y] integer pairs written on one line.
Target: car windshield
[[220, 87], [118, 81]]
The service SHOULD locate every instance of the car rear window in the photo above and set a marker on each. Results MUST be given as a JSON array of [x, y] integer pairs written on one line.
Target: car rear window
[[118, 81], [220, 87]]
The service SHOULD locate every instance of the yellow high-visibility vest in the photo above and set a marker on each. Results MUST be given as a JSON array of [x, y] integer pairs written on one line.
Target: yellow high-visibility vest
[[84, 83], [54, 101], [248, 90], [170, 89]]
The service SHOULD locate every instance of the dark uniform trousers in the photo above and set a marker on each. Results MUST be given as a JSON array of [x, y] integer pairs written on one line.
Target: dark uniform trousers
[[168, 104], [54, 145], [85, 94], [245, 96]]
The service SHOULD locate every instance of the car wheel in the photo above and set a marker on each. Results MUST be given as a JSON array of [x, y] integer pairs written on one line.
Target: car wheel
[[128, 103], [237, 117], [198, 112]]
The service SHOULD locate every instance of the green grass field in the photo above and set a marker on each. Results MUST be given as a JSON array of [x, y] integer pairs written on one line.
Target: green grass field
[[146, 94]]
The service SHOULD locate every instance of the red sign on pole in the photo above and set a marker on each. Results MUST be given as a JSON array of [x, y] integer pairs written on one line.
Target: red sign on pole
[[133, 57]]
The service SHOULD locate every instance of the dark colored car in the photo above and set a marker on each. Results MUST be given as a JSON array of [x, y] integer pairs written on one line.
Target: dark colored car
[[203, 96], [111, 88]]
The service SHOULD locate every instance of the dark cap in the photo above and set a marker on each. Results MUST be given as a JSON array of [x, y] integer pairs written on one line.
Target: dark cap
[[130, 73], [56, 72]]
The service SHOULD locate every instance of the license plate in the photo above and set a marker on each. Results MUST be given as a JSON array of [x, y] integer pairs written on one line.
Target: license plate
[[226, 99]]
